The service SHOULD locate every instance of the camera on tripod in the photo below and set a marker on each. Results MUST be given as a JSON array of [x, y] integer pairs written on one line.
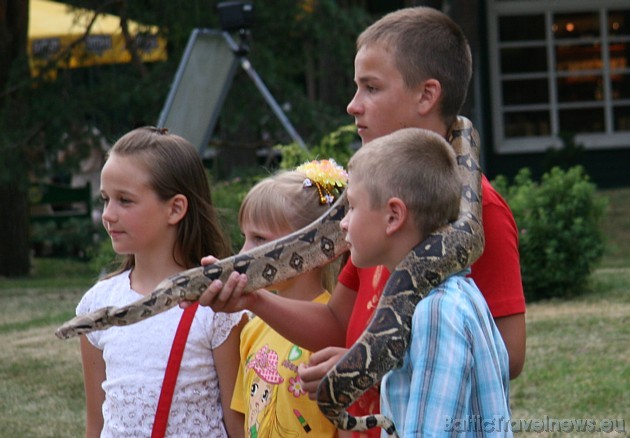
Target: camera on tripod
[[236, 16], [205, 74]]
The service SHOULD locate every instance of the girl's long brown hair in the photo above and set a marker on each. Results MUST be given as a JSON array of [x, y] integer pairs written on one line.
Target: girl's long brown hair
[[176, 168]]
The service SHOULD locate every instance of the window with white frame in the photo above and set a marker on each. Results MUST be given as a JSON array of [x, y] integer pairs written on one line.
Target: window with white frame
[[559, 67]]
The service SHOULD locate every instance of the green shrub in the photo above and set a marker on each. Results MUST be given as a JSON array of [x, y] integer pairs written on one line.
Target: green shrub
[[73, 237], [336, 145], [560, 236]]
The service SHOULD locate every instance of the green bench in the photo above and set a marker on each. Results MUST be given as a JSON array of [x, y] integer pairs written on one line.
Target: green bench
[[59, 202]]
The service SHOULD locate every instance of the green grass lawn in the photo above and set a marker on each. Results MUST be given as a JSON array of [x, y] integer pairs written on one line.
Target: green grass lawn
[[41, 386], [616, 226], [577, 366], [578, 356]]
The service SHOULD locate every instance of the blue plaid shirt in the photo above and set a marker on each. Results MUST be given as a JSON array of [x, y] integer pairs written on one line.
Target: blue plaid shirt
[[455, 377]]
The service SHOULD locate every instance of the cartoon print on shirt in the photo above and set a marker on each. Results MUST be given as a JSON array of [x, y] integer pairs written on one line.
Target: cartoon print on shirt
[[263, 387], [264, 383], [295, 386]]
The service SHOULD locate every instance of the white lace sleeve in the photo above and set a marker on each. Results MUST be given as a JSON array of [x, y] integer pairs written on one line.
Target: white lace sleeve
[[222, 325], [85, 304], [104, 293]]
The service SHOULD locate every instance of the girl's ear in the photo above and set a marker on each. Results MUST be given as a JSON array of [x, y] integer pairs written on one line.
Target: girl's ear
[[396, 215], [179, 207], [430, 93]]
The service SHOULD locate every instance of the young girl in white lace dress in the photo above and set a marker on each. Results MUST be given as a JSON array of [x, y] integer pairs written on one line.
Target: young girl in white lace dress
[[159, 216]]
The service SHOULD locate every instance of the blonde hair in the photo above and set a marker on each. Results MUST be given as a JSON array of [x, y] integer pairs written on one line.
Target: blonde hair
[[426, 44], [175, 168], [282, 202], [417, 166]]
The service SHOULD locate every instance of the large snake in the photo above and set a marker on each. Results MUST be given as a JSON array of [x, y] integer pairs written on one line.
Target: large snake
[[314, 245], [383, 344]]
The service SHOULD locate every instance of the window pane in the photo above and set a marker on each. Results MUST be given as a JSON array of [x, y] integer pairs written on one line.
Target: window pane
[[526, 124], [579, 57], [619, 54], [620, 86], [522, 60], [576, 25], [582, 120], [525, 91], [572, 91], [580, 88], [520, 28], [622, 118], [619, 22]]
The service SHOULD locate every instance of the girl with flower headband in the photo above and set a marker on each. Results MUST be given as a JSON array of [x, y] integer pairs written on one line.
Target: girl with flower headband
[[268, 389]]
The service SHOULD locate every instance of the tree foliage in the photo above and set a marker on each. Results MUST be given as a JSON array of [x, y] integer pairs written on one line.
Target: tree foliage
[[302, 50]]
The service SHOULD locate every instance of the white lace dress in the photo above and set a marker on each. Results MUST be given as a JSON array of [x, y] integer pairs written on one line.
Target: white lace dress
[[136, 358]]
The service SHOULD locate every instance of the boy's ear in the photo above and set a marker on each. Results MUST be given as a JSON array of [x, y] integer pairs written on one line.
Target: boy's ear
[[397, 214], [430, 94], [179, 207]]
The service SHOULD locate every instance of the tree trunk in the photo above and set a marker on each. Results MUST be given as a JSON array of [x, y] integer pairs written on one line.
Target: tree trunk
[[14, 231], [13, 35], [14, 219]]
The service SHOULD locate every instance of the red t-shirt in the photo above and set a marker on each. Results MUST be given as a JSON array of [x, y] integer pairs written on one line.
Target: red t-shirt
[[497, 273]]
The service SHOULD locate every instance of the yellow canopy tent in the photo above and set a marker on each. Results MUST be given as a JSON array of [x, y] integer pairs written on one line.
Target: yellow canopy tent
[[55, 27]]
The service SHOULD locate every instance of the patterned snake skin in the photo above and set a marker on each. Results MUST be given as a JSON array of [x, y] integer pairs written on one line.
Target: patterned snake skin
[[383, 344], [315, 245]]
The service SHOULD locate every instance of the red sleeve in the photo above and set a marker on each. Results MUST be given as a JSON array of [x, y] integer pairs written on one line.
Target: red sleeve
[[498, 271], [349, 276]]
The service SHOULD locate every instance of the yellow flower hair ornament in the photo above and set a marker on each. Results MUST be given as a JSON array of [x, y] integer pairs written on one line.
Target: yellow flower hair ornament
[[327, 176]]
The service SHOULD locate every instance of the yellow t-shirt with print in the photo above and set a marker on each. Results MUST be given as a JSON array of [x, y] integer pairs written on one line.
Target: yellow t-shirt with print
[[268, 389]]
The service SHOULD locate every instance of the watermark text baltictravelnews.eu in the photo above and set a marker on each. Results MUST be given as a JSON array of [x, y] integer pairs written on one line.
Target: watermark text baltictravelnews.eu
[[476, 423]]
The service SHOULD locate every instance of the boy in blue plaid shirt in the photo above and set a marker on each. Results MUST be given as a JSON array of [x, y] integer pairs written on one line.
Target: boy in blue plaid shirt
[[455, 376]]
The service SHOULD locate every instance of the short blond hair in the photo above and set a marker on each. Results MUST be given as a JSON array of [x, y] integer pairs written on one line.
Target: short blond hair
[[426, 44], [416, 165], [282, 202]]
